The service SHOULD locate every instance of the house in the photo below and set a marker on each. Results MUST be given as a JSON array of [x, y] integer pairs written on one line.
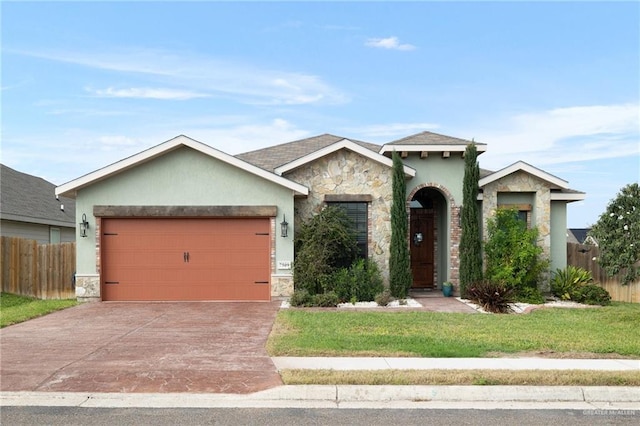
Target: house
[[29, 209], [580, 236], [185, 221]]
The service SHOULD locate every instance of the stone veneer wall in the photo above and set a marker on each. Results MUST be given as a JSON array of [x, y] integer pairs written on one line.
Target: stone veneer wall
[[345, 172], [523, 182], [88, 285], [281, 283]]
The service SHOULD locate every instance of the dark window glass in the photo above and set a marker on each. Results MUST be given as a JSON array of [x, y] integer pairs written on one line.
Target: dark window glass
[[358, 213], [523, 215]]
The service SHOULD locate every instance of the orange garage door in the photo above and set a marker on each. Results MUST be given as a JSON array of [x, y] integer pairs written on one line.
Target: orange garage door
[[185, 259]]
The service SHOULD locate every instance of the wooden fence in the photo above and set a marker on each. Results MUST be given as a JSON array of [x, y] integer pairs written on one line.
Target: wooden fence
[[583, 255], [45, 271]]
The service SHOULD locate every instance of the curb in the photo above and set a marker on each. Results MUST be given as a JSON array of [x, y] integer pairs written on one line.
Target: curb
[[353, 396]]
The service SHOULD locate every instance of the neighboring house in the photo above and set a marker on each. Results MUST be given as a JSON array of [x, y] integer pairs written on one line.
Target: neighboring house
[[184, 221], [29, 209], [580, 236]]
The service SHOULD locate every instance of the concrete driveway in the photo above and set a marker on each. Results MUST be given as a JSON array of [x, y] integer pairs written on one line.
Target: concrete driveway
[[142, 347]]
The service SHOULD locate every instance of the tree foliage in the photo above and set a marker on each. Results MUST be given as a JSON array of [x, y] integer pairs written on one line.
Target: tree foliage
[[618, 235], [324, 244], [511, 252], [399, 261], [470, 242]]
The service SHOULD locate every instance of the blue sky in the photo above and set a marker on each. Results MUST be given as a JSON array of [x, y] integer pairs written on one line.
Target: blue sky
[[85, 84]]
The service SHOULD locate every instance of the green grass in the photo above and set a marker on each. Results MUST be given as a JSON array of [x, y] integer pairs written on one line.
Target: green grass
[[15, 309], [462, 377], [606, 331]]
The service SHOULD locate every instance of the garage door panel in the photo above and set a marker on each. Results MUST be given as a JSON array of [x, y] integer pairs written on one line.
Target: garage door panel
[[186, 259]]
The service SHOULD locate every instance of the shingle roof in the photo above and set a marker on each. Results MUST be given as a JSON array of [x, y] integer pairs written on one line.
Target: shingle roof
[[28, 198], [578, 234], [272, 157], [430, 138], [485, 172]]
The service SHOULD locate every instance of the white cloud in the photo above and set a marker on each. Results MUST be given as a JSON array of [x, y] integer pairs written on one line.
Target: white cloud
[[563, 135], [249, 136], [147, 93], [388, 43], [245, 83]]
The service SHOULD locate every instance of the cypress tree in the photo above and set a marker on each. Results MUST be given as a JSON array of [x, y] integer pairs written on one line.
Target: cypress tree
[[399, 262], [470, 243]]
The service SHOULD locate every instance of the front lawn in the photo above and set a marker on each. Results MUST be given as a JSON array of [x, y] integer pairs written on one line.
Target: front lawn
[[603, 331], [15, 309]]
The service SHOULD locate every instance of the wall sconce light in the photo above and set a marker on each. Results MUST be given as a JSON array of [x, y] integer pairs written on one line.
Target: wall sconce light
[[84, 225], [417, 238], [284, 227]]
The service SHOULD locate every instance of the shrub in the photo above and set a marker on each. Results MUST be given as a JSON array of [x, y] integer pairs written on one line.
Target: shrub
[[325, 300], [566, 281], [400, 277], [470, 242], [529, 295], [300, 298], [591, 294], [360, 283], [491, 296], [324, 244], [384, 298], [512, 255]]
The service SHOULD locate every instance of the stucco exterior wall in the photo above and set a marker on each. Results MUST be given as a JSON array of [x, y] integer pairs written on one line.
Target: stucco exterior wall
[[344, 172], [188, 178], [447, 172], [444, 174], [558, 235]]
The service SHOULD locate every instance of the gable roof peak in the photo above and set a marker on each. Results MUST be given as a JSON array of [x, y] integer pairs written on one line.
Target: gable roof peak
[[337, 146], [431, 138], [270, 158], [527, 168], [70, 188], [431, 142]]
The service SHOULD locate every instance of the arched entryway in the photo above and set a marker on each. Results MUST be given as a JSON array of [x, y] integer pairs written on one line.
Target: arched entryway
[[428, 230]]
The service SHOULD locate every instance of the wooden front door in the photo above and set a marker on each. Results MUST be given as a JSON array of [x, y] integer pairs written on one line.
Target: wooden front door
[[422, 248]]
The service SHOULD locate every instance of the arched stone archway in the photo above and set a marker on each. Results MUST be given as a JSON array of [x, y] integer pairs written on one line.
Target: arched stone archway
[[435, 252]]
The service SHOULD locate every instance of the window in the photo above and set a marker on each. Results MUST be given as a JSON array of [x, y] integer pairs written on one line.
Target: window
[[522, 210], [358, 212], [523, 215], [54, 235]]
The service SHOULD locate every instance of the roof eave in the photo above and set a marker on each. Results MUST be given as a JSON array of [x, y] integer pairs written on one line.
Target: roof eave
[[569, 197], [36, 220], [429, 148]]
